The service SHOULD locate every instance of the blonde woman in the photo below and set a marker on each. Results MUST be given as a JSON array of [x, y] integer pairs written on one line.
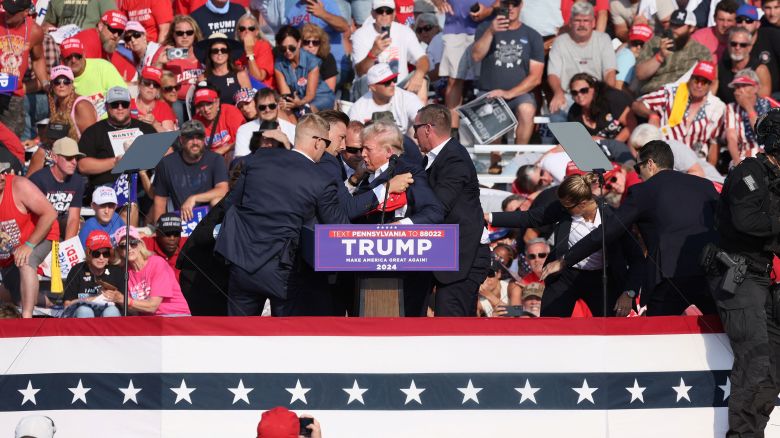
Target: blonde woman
[[317, 42]]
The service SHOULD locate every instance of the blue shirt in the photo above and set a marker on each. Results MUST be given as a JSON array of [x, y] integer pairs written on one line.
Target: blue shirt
[[296, 16], [460, 21], [92, 224], [625, 65], [296, 78]]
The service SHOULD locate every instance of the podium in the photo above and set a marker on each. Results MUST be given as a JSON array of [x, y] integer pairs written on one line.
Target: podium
[[378, 255]]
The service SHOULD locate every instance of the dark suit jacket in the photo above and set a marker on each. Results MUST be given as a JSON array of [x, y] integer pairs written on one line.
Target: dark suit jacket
[[277, 193], [422, 205], [675, 213], [354, 206], [453, 178]]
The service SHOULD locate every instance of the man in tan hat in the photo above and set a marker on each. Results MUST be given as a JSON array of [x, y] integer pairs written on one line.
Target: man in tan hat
[[532, 297], [62, 186]]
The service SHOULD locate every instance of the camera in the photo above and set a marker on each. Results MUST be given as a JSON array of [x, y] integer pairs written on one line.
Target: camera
[[177, 53]]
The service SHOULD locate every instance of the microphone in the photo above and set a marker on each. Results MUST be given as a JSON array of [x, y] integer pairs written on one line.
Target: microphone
[[391, 173]]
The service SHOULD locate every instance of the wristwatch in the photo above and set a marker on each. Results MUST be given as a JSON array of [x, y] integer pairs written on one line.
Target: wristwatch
[[250, 57], [631, 293]]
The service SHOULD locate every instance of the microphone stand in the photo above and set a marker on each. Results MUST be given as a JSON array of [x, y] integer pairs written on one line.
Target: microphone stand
[[602, 205], [130, 174], [391, 170]]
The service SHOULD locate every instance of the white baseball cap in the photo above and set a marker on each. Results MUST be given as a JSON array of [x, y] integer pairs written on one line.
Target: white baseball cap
[[104, 195], [376, 4], [37, 426], [379, 73]]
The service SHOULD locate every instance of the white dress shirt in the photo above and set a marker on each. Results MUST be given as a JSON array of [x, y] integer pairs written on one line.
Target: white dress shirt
[[579, 229]]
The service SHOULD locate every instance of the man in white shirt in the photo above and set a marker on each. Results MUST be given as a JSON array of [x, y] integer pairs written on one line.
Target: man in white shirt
[[386, 41], [385, 95], [267, 101]]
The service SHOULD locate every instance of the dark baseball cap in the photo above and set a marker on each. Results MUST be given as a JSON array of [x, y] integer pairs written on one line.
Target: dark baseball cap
[[192, 128], [13, 6], [57, 130], [168, 223]]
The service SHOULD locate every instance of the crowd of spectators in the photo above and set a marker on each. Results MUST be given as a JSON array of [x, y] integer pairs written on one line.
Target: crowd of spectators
[[80, 83]]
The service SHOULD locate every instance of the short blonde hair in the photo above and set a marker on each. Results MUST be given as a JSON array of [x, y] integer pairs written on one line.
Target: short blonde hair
[[387, 133]]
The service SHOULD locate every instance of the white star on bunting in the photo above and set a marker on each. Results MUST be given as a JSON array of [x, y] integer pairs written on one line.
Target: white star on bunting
[[29, 393], [355, 393], [412, 393], [585, 392], [470, 393], [637, 392], [240, 392], [130, 393], [726, 389], [183, 393], [527, 392], [298, 393], [79, 393], [682, 391]]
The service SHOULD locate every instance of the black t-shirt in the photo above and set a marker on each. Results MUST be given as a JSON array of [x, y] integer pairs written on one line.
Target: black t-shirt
[[81, 283], [725, 76], [210, 23], [95, 143], [178, 180], [608, 125], [61, 195], [767, 51], [328, 68]]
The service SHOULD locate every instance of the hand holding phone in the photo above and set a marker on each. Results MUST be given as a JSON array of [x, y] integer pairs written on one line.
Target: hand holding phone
[[385, 31], [305, 422]]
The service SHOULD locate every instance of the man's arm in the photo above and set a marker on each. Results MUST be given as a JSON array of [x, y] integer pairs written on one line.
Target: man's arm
[[36, 53], [532, 218], [380, 44], [72, 225], [159, 207], [317, 8], [530, 82], [31, 198], [94, 166], [482, 44], [162, 32]]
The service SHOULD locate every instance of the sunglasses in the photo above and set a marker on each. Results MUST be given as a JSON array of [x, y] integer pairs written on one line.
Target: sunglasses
[[132, 36], [61, 81], [327, 142], [75, 56], [181, 33], [638, 166], [119, 104], [608, 184], [172, 234], [514, 3], [290, 48], [270, 106], [541, 255], [247, 28], [133, 244], [637, 44], [741, 45], [114, 30], [100, 253], [745, 20], [422, 29], [416, 127], [171, 88], [701, 80], [353, 150], [220, 51], [150, 84], [315, 43], [388, 82], [583, 91], [384, 10]]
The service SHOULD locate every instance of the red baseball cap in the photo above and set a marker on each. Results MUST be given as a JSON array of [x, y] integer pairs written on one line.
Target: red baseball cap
[[640, 32], [71, 46], [205, 95], [98, 239], [278, 422], [152, 74], [704, 69], [572, 169], [114, 19], [742, 80]]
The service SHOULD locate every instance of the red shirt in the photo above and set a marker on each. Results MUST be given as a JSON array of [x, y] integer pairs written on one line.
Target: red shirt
[[150, 13], [15, 226], [187, 72], [264, 60], [12, 143], [14, 50], [631, 179], [230, 120], [161, 111], [531, 278], [404, 12], [151, 245]]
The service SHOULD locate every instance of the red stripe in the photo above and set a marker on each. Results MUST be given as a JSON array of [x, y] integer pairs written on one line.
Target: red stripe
[[256, 326]]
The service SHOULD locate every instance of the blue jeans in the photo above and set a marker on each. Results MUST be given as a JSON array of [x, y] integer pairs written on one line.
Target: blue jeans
[[87, 312], [36, 108]]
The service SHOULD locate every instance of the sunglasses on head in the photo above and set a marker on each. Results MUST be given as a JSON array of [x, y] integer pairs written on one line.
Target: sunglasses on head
[[270, 106], [219, 51], [96, 254], [76, 56], [583, 91], [315, 43], [353, 150], [148, 83], [171, 88], [113, 30], [61, 81], [384, 10], [388, 82], [737, 44], [181, 33], [290, 48], [129, 36], [541, 255], [422, 29], [119, 104], [247, 28], [745, 20]]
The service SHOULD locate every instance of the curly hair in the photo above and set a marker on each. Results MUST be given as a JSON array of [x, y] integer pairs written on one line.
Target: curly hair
[[310, 31], [60, 109]]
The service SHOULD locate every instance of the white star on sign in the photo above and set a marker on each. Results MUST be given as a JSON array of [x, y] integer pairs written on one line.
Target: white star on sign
[[29, 393], [637, 392], [412, 393], [527, 392], [240, 393], [298, 393], [130, 393], [726, 389], [79, 393], [585, 392], [183, 393], [682, 390], [470, 393], [355, 393]]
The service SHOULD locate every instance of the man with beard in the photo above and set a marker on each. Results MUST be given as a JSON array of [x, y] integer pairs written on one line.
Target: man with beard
[[103, 42], [668, 56], [190, 178], [167, 240], [739, 57]]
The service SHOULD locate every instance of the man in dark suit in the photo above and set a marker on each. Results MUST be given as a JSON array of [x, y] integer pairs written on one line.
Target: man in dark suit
[[453, 178], [278, 192], [675, 213]]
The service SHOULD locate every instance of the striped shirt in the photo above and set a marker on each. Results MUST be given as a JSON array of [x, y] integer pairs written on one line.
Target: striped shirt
[[706, 127], [738, 120]]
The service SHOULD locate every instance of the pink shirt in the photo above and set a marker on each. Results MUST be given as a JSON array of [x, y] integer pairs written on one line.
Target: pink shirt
[[708, 39], [157, 279]]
